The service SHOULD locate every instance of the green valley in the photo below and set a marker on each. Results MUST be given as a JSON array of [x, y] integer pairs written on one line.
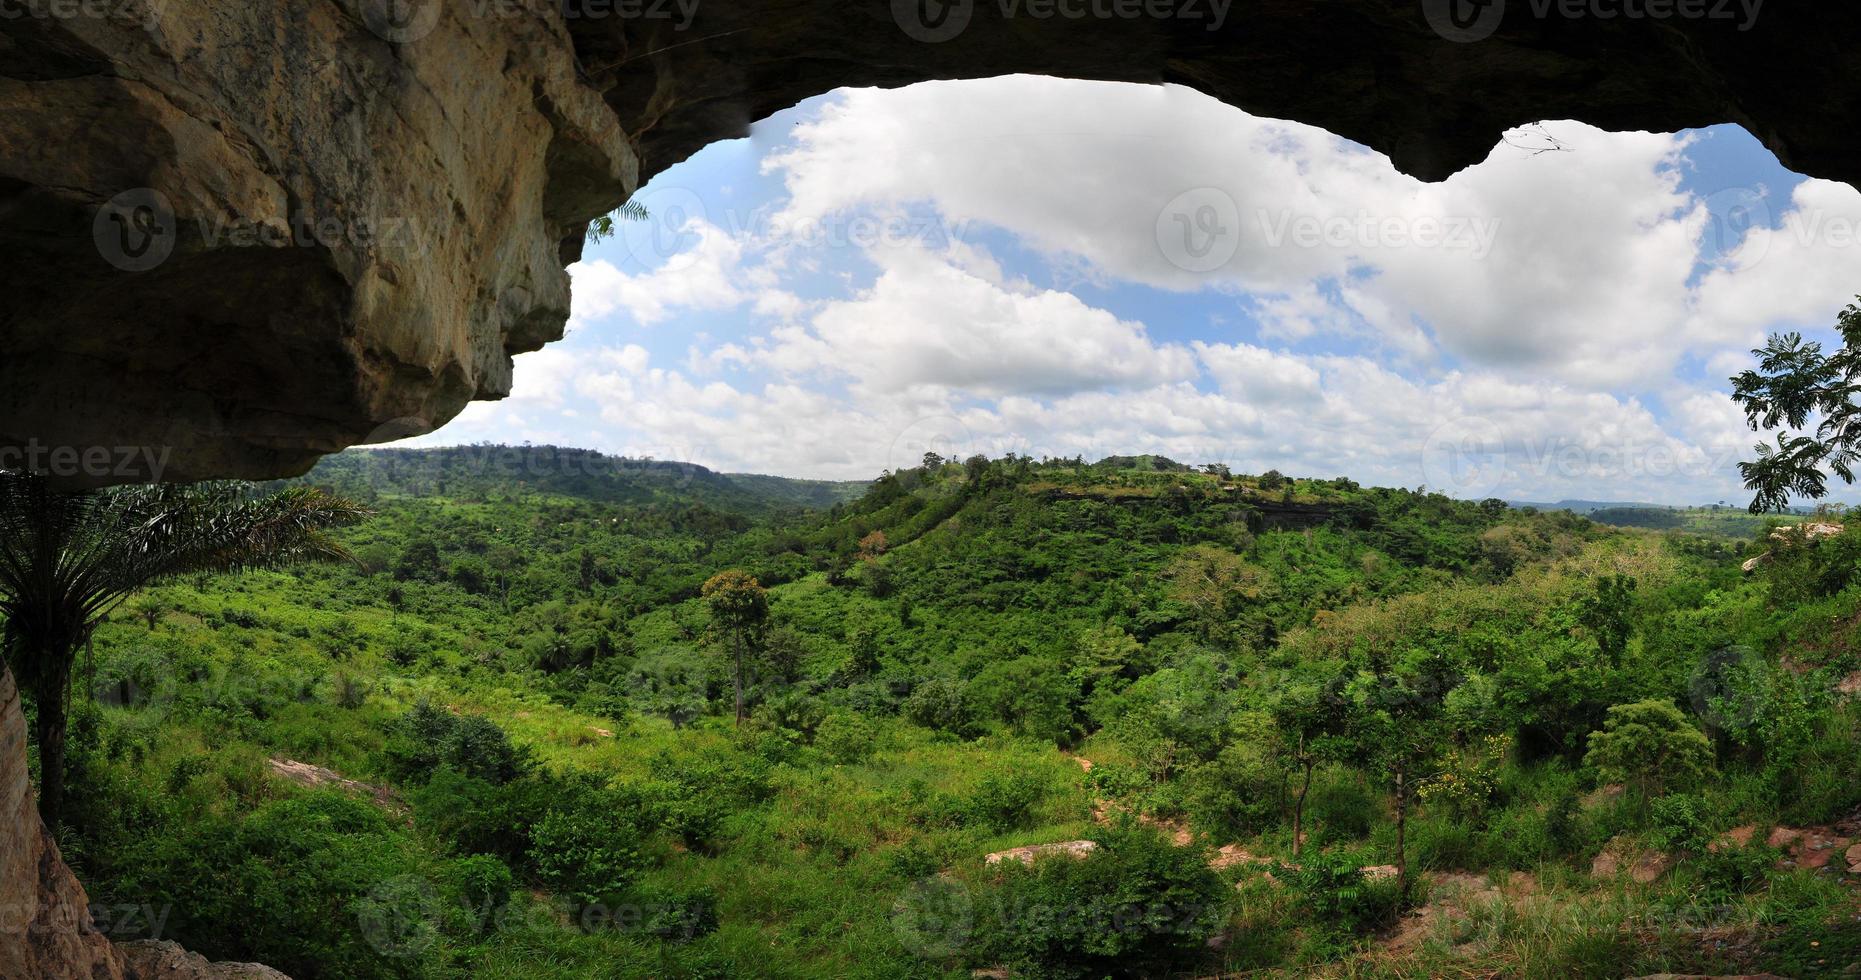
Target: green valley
[[1283, 726]]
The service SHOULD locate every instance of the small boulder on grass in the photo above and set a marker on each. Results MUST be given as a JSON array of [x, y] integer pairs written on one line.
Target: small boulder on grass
[[1075, 849]]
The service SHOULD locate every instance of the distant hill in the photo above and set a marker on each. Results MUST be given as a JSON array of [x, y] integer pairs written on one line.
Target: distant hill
[[1147, 462], [485, 471], [1587, 507]]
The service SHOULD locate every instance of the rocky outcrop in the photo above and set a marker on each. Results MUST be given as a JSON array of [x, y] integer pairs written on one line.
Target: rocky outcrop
[[1076, 849], [234, 236], [148, 960], [45, 922]]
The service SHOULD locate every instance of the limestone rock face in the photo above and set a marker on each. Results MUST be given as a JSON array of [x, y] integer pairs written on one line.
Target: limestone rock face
[[45, 924], [235, 236], [168, 961]]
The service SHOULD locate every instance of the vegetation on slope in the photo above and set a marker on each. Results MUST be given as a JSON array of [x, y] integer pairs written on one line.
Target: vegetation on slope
[[970, 657]]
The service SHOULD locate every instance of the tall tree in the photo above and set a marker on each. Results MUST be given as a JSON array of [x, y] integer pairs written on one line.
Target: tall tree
[[740, 616], [68, 558], [1794, 383]]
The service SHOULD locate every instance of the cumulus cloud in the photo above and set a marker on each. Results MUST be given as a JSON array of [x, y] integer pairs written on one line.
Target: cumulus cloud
[[926, 321], [1549, 310]]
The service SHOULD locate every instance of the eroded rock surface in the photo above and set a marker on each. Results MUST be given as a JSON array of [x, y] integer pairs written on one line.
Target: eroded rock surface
[[235, 236], [46, 930]]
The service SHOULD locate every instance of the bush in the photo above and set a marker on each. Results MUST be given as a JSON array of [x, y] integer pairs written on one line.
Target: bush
[[1235, 796], [1138, 906], [428, 738], [292, 887], [1650, 745], [846, 737], [1339, 902], [1004, 799], [942, 705], [588, 847]]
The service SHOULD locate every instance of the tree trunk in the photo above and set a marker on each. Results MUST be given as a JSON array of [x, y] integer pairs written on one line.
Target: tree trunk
[[48, 695], [1298, 812], [1402, 820], [737, 679]]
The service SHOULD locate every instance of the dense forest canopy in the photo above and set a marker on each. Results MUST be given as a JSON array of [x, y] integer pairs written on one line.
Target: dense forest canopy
[[1282, 723]]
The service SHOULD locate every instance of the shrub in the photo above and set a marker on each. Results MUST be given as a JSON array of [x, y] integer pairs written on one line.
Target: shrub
[[1650, 745], [588, 847], [429, 738], [1004, 799], [846, 737], [943, 705], [1339, 902], [1138, 906]]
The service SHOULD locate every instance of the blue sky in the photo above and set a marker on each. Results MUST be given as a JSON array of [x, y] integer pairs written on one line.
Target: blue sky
[[1059, 268]]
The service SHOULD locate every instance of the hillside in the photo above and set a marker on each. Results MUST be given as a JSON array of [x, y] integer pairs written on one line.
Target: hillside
[[503, 743]]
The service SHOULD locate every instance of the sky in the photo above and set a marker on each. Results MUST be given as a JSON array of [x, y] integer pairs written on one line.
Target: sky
[[1061, 268]]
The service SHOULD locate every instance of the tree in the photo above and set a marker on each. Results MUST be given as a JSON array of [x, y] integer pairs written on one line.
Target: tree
[[1215, 584], [68, 558], [740, 616], [1395, 725], [1307, 726], [1793, 382], [1649, 745], [1606, 615]]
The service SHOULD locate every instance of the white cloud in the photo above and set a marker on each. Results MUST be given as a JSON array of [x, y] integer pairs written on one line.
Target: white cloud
[[928, 322], [1572, 263], [701, 277]]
